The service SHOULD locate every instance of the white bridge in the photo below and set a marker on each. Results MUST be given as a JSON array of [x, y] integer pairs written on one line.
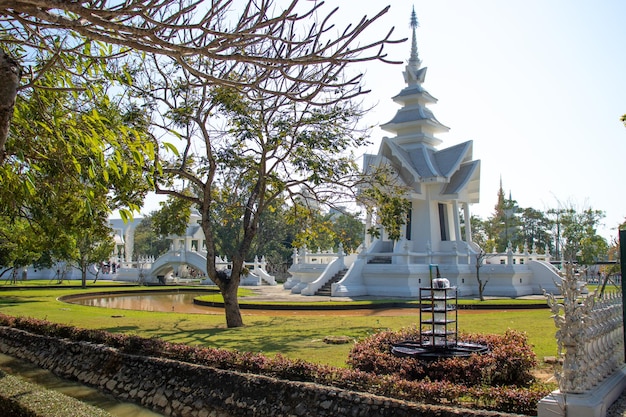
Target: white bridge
[[175, 266], [181, 265], [186, 260]]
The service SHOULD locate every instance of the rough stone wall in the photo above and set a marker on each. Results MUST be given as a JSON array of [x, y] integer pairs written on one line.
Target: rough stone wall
[[187, 390]]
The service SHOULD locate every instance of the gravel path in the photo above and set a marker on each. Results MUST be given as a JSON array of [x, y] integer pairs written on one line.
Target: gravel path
[[618, 408]]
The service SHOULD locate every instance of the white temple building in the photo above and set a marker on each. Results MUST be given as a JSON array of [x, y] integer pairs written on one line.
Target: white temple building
[[443, 182]]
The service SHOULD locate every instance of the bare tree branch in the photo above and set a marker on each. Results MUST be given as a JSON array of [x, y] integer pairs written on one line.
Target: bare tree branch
[[215, 41], [189, 30]]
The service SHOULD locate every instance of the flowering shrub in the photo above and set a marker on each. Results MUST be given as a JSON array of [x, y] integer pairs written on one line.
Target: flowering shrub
[[509, 361], [376, 370]]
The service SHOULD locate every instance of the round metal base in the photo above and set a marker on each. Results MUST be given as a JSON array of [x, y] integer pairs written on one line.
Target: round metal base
[[431, 352]]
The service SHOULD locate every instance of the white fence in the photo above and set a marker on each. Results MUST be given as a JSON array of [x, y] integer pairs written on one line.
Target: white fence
[[590, 339]]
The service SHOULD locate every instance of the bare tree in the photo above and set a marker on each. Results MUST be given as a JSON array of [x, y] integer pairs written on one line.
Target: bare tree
[[480, 258], [241, 150], [245, 45]]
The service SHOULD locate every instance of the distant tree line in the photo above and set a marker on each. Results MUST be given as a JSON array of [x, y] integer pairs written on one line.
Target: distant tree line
[[567, 233]]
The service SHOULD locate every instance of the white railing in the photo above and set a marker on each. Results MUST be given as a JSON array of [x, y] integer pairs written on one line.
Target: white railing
[[456, 253], [304, 256], [590, 335], [143, 267], [331, 270]]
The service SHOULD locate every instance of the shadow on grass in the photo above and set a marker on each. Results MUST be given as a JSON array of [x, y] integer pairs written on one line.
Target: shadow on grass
[[14, 301], [123, 329], [292, 339]]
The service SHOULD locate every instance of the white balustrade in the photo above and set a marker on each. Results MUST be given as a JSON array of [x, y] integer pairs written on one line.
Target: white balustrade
[[589, 335]]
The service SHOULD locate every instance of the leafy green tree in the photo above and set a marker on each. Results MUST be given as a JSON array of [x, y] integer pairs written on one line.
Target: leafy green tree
[[173, 217], [556, 221], [239, 156], [479, 230], [479, 233], [63, 130], [592, 249], [93, 244], [535, 229], [385, 197], [147, 240], [71, 157], [21, 245], [315, 231], [274, 240], [580, 241], [328, 231], [349, 230], [503, 227]]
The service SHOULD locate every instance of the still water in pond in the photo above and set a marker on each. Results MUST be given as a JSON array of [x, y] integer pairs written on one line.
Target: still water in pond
[[47, 379], [180, 302]]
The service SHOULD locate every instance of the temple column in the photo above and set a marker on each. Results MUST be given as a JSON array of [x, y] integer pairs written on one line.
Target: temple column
[[129, 243], [468, 222], [457, 224], [368, 224]]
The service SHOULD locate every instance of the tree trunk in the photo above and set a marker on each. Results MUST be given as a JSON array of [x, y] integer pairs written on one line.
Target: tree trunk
[[231, 303], [10, 75], [228, 285], [604, 282], [83, 275], [481, 286]]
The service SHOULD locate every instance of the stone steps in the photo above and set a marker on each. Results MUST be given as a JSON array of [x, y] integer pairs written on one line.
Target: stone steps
[[380, 260], [326, 288]]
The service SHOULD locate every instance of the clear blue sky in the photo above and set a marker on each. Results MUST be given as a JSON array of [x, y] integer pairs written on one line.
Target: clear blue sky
[[538, 85]]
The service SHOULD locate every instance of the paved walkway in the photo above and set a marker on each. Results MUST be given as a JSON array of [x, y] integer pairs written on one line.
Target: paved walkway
[[279, 293], [618, 409]]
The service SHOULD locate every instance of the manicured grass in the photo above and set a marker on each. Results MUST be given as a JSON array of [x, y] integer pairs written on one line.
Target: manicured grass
[[290, 335], [377, 303]]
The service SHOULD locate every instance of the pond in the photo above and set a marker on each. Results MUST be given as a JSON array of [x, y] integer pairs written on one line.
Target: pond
[[179, 302]]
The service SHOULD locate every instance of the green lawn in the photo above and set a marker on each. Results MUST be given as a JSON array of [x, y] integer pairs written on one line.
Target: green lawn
[[293, 336]]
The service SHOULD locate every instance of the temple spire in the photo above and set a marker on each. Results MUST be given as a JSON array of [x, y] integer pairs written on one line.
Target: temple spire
[[415, 124], [413, 74], [414, 60]]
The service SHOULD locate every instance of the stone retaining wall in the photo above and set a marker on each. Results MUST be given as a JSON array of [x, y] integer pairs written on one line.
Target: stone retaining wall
[[187, 390]]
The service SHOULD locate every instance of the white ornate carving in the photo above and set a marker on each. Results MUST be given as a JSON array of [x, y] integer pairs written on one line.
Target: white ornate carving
[[589, 335]]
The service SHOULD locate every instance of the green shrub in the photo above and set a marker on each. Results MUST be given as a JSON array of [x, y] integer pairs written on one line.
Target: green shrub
[[509, 361]]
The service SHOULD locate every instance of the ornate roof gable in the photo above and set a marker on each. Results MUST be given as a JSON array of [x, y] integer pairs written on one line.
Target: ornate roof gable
[[425, 164]]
